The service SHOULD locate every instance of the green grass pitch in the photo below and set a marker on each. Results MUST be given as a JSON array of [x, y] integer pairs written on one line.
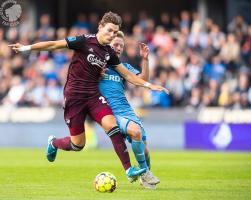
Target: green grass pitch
[[25, 174]]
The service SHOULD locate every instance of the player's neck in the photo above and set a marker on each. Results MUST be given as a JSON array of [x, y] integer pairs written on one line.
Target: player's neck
[[99, 38]]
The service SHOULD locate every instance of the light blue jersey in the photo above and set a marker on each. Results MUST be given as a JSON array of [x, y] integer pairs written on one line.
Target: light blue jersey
[[112, 87]]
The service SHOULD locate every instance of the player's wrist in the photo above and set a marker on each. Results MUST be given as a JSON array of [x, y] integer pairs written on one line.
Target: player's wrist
[[147, 85], [25, 48]]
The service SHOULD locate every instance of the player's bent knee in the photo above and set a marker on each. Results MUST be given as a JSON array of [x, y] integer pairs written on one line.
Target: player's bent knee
[[135, 133], [108, 122]]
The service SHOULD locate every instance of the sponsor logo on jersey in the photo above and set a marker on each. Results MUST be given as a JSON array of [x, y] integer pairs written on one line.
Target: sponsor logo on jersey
[[114, 78], [94, 60], [90, 35]]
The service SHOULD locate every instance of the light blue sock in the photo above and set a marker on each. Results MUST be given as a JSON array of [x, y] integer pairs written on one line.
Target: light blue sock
[[138, 150], [148, 162]]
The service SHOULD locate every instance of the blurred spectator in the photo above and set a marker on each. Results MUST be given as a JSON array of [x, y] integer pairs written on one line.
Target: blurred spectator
[[197, 39], [224, 96], [131, 54], [216, 36], [176, 87], [214, 70], [246, 48], [230, 53], [195, 98], [137, 33], [161, 99], [94, 19], [127, 22], [209, 23], [165, 21], [45, 31], [149, 30], [196, 23], [178, 61], [162, 39], [194, 70], [185, 20], [53, 93], [82, 22], [238, 26], [16, 92], [241, 91], [213, 92]]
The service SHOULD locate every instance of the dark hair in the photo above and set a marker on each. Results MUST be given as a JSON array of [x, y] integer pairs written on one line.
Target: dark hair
[[111, 17]]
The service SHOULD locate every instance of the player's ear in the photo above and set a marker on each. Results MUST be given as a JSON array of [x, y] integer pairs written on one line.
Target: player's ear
[[100, 26]]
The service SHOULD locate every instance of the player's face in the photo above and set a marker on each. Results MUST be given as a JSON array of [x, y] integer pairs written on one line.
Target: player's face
[[118, 45], [108, 32]]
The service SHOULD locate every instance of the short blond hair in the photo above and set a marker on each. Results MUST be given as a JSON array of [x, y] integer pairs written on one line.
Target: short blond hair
[[120, 34]]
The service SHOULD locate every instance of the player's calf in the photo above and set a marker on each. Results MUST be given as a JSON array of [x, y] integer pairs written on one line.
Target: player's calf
[[60, 143]]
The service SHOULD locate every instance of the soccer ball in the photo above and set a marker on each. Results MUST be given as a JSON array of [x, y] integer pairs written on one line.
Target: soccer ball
[[105, 182]]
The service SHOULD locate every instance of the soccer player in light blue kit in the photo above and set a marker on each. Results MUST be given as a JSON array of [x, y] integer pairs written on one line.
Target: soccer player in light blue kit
[[112, 88]]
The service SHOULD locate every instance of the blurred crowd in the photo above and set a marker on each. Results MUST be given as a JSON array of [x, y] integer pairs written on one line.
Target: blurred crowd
[[201, 64]]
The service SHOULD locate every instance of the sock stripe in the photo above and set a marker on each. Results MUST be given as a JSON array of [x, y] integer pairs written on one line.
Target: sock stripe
[[75, 147], [113, 131]]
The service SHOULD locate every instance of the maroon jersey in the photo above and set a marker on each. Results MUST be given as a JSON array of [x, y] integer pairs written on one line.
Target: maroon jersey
[[84, 71]]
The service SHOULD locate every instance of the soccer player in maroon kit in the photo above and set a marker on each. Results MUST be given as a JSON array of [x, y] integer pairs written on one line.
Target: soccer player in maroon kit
[[81, 92]]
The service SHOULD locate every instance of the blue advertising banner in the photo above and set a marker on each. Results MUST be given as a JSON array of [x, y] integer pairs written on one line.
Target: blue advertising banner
[[221, 136]]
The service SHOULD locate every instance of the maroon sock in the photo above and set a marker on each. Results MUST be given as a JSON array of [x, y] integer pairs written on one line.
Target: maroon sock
[[120, 146], [62, 143]]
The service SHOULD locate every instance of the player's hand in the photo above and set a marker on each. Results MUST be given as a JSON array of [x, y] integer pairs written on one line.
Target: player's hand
[[16, 47], [143, 50], [159, 88]]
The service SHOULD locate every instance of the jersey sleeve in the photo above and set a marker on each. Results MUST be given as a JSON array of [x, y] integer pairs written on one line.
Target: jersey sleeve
[[76, 42], [131, 68], [114, 60]]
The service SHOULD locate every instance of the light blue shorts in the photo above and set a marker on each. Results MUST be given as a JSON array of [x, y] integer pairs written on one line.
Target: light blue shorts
[[123, 123]]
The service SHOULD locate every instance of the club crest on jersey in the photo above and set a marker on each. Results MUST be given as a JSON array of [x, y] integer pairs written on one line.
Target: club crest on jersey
[[107, 57], [94, 60]]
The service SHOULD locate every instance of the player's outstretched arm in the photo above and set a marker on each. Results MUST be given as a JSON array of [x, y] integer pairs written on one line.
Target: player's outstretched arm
[[134, 79], [40, 46]]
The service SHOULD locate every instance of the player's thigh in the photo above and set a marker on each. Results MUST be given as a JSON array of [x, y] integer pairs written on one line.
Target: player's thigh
[[134, 130], [101, 113]]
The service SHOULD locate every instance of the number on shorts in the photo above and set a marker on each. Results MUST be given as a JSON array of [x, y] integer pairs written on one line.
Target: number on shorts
[[102, 100]]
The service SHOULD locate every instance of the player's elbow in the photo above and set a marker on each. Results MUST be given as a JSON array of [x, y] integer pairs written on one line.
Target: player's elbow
[[145, 78]]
